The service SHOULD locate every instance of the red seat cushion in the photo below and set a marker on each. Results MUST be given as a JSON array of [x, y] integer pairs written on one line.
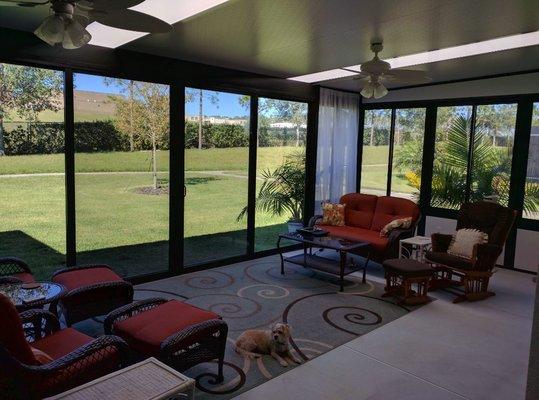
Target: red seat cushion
[[11, 334], [85, 277], [62, 342], [146, 331], [26, 277], [359, 209], [390, 208], [378, 243]]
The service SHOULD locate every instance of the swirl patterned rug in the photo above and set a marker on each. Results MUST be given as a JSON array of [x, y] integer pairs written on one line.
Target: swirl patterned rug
[[253, 295]]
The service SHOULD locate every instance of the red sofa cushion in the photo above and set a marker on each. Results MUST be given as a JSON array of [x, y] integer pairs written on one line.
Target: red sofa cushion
[[378, 243], [359, 209], [146, 331], [390, 208], [11, 334], [62, 342], [85, 277], [26, 277]]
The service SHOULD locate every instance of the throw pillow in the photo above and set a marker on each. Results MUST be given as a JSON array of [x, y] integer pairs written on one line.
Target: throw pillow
[[41, 357], [404, 223], [464, 241], [333, 214]]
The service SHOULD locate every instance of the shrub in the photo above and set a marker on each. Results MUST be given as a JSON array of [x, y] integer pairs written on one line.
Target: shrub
[[48, 138]]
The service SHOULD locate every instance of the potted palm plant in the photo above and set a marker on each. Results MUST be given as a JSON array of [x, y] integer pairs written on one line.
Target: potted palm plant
[[283, 191]]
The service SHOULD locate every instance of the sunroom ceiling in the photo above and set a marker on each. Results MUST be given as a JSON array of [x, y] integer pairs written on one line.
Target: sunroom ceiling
[[287, 38]]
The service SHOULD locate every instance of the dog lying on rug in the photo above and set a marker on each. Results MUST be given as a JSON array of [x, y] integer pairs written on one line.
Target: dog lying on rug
[[255, 343]]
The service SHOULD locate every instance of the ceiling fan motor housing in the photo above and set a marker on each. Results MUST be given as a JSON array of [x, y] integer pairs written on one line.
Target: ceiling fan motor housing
[[65, 9]]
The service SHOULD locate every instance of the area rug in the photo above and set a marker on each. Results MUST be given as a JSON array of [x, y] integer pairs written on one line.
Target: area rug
[[254, 295]]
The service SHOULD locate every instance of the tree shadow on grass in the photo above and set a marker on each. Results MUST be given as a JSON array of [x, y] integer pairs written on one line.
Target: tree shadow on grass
[[200, 180], [42, 259], [138, 259]]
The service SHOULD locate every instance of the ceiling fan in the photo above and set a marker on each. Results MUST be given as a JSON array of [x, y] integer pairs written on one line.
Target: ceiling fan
[[69, 18], [376, 72]]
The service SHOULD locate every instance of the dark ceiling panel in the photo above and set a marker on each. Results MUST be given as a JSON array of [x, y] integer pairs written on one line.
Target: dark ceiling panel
[[293, 37]]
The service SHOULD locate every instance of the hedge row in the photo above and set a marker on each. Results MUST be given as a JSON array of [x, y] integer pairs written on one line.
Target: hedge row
[[103, 136]]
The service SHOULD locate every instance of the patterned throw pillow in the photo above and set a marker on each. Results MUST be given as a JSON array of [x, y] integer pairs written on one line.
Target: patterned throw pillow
[[333, 214], [404, 223], [464, 241]]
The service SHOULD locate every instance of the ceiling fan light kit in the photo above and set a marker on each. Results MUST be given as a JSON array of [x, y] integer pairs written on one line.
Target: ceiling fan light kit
[[61, 27]]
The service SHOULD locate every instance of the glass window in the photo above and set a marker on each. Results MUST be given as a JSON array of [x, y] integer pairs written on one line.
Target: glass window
[[531, 198], [32, 194], [216, 175], [122, 179], [376, 134], [453, 128], [408, 153], [280, 168], [493, 152]]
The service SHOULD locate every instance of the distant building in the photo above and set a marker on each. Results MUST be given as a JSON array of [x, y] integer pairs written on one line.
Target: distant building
[[217, 120], [287, 125]]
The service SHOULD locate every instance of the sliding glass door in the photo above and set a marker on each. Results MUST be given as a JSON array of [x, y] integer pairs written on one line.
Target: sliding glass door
[[216, 175], [121, 173]]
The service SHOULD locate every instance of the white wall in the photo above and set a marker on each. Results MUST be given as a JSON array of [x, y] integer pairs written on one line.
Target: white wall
[[527, 250], [508, 85]]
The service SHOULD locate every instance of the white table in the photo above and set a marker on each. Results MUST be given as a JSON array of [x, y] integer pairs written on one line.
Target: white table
[[147, 380], [415, 247]]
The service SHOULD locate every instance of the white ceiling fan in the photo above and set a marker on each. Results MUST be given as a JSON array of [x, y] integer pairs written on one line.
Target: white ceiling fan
[[68, 19], [376, 72]]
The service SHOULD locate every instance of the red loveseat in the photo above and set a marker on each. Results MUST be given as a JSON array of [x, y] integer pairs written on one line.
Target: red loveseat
[[366, 215]]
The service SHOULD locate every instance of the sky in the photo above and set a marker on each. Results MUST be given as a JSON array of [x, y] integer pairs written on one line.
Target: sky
[[227, 104]]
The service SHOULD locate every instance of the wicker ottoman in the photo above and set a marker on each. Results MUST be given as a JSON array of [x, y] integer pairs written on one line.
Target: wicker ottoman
[[402, 274], [177, 333]]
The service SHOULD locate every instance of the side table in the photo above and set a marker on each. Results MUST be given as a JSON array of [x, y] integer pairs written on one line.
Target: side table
[[415, 247], [148, 379]]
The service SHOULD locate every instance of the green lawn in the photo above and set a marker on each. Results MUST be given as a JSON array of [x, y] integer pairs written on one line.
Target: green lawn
[[374, 172], [117, 225], [233, 159]]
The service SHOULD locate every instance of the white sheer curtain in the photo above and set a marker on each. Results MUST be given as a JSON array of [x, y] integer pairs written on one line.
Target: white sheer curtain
[[337, 145]]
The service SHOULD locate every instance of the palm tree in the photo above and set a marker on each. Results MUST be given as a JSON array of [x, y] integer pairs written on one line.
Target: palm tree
[[490, 175], [283, 189]]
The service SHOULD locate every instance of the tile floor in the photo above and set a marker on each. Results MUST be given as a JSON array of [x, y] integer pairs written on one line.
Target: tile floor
[[441, 351]]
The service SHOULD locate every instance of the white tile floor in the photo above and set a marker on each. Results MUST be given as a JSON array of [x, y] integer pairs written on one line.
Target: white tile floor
[[441, 351]]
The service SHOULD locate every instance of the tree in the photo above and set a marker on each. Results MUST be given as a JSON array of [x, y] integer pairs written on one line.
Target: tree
[[283, 189], [147, 113], [289, 111], [127, 88], [201, 95], [27, 91]]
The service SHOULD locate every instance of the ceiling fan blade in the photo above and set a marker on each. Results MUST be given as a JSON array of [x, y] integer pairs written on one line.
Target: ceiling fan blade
[[106, 5], [132, 21], [22, 3], [408, 76]]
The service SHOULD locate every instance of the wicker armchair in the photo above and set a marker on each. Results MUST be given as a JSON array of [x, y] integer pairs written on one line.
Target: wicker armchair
[[189, 337], [72, 358], [14, 270], [92, 291], [472, 275]]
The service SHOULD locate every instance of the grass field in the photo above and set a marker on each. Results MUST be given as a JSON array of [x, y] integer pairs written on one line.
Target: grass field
[[112, 216], [129, 230]]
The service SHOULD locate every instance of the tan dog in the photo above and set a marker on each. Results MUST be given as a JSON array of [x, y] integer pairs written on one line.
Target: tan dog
[[255, 343]]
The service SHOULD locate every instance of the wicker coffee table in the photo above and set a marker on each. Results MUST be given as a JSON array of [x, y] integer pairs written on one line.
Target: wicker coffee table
[[149, 379], [339, 267]]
